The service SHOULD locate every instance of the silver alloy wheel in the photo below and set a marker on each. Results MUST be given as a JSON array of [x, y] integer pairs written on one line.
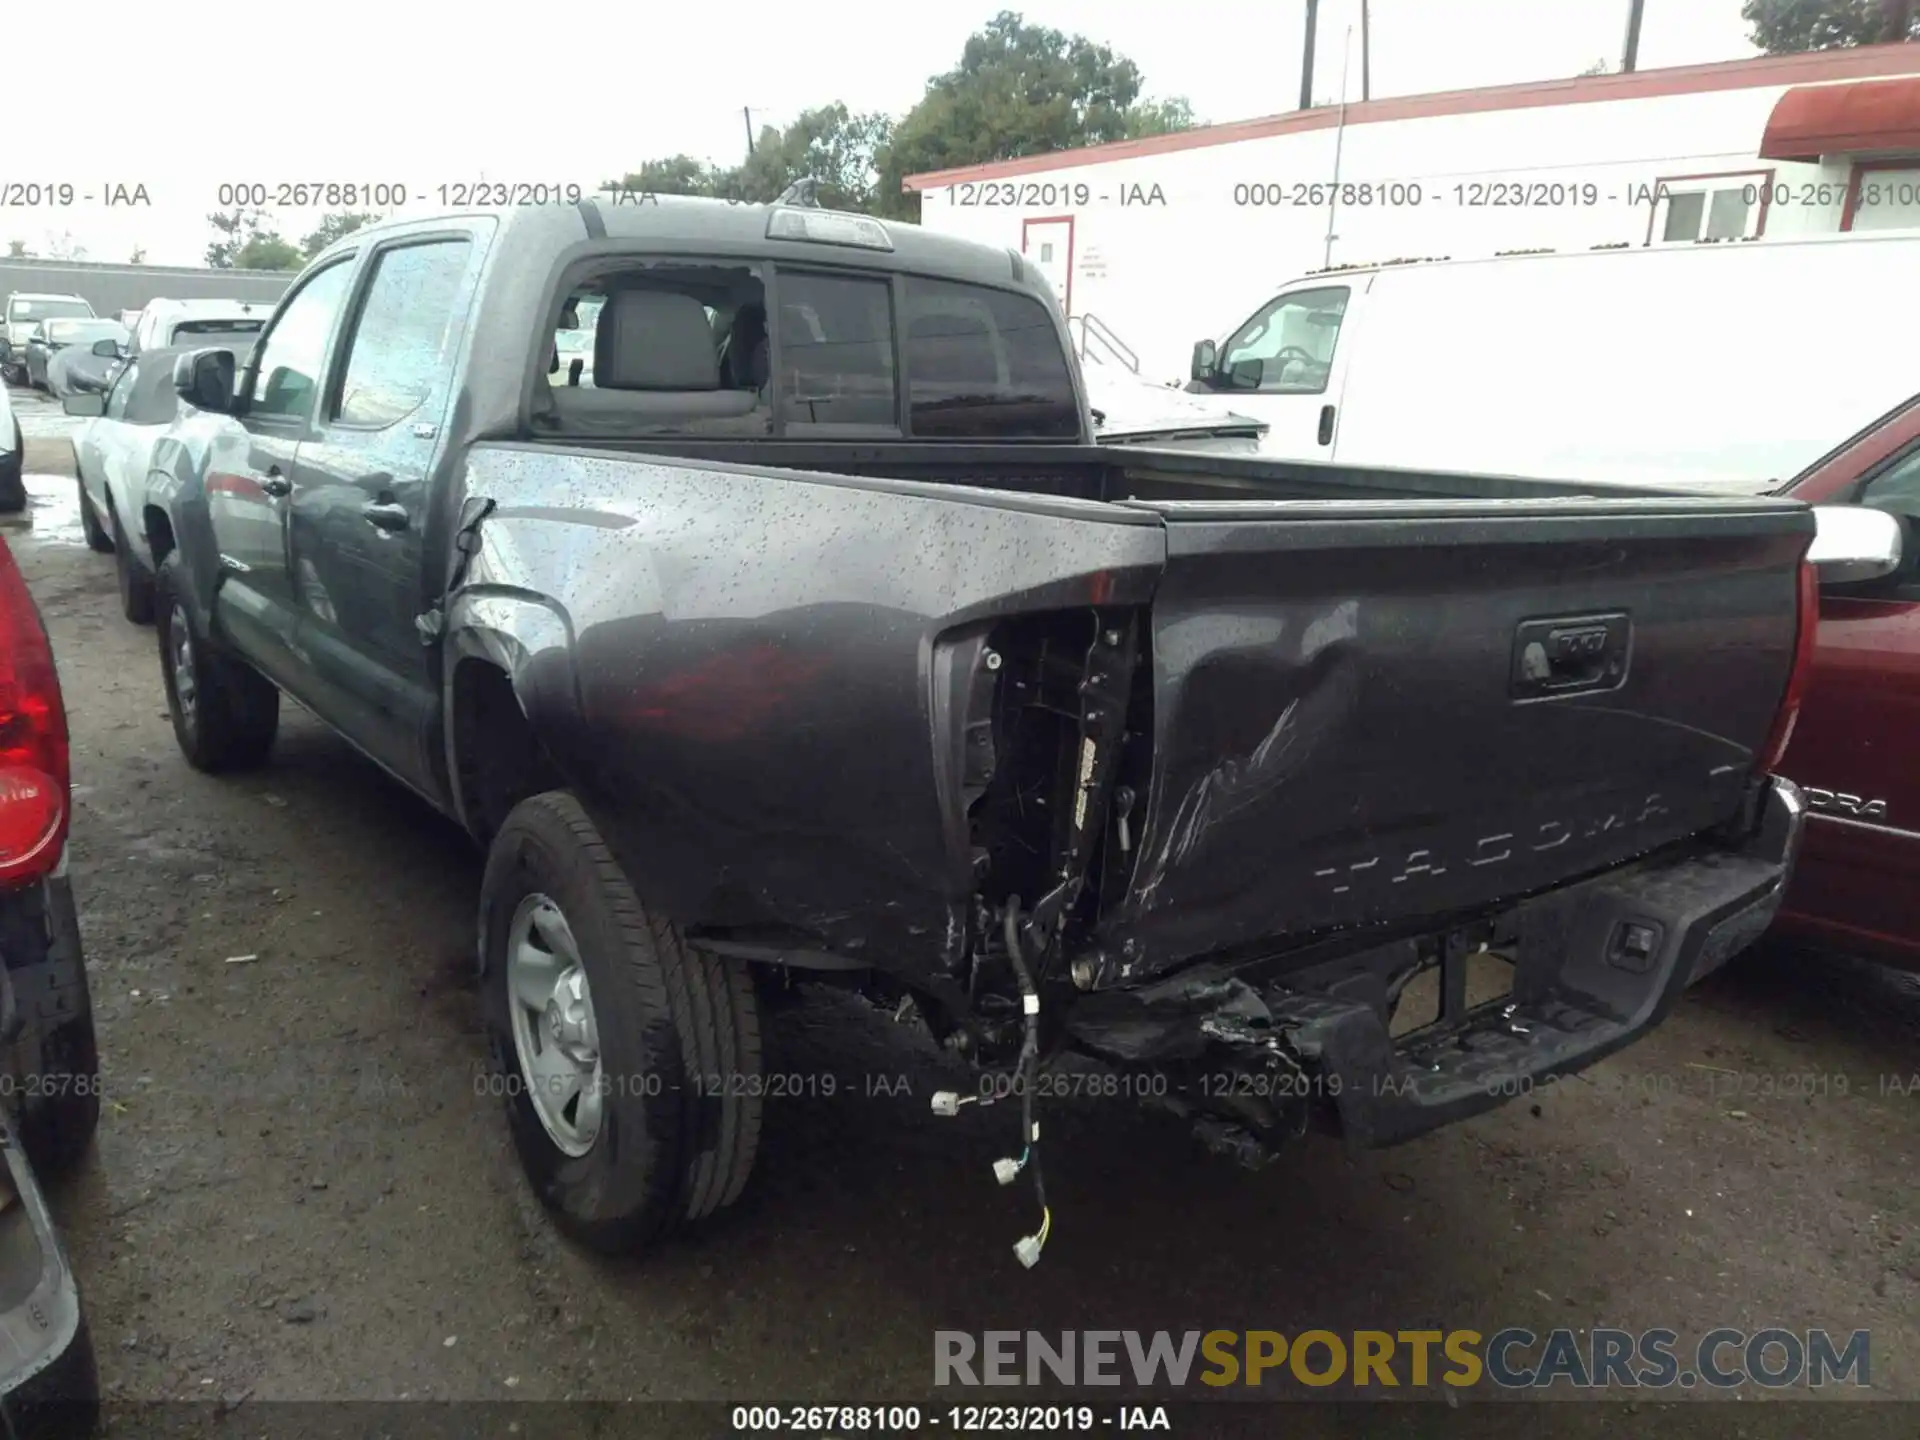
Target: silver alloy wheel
[[555, 1038], [184, 691]]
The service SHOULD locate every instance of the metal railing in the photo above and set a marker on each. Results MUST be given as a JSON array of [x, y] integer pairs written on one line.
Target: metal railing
[[1095, 331]]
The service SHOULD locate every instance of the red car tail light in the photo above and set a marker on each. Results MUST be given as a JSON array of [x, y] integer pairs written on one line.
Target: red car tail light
[[33, 736], [1801, 674]]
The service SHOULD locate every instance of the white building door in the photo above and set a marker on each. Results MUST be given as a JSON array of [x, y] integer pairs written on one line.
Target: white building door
[[1048, 243]]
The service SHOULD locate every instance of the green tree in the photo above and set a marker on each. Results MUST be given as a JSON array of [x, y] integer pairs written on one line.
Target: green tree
[[1786, 27], [266, 250], [17, 250], [830, 144], [232, 229], [331, 228], [1018, 90], [1159, 117], [139, 256], [675, 175]]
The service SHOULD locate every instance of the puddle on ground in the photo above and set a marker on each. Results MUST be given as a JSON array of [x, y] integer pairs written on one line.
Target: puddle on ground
[[52, 515]]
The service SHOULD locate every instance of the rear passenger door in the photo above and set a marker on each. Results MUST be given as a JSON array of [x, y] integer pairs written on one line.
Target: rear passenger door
[[361, 484]]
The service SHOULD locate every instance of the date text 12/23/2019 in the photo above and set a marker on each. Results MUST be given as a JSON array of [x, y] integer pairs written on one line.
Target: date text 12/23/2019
[[957, 1419]]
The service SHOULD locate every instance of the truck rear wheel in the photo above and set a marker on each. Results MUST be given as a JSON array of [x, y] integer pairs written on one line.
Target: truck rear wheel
[[225, 713], [629, 1062]]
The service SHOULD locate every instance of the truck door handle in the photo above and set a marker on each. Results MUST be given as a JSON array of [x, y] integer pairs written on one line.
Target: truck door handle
[[1326, 425], [275, 484], [385, 515]]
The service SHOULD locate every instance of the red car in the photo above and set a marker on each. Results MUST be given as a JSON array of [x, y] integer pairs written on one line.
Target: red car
[[1853, 750]]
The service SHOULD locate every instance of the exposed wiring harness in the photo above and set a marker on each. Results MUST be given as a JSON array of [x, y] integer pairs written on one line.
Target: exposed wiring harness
[[1028, 1247], [948, 1102]]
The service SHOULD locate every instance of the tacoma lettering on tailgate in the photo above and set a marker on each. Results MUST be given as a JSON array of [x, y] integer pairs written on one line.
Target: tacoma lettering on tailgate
[[1397, 867]]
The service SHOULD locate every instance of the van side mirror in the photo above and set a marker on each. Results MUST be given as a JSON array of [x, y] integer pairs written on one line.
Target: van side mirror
[[1205, 357], [1855, 543], [204, 379], [107, 349], [86, 404]]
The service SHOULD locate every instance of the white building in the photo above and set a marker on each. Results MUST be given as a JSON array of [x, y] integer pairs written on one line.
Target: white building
[[1163, 241]]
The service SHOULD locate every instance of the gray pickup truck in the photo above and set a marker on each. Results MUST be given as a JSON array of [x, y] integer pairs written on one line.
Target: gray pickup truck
[[816, 636]]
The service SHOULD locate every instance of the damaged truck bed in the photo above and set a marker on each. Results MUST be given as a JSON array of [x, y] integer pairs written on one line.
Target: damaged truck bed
[[816, 636]]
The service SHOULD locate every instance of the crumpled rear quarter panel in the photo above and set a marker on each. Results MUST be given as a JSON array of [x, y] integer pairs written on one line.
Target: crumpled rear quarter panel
[[747, 708]]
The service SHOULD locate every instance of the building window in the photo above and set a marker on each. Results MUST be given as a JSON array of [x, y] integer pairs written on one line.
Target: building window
[[1690, 208], [1884, 195]]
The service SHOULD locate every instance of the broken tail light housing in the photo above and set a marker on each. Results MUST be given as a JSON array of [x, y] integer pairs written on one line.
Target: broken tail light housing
[[1802, 673], [34, 776]]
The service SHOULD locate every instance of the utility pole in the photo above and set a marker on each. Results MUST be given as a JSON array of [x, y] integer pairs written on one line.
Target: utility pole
[[1306, 56], [1632, 56], [746, 112], [1366, 55]]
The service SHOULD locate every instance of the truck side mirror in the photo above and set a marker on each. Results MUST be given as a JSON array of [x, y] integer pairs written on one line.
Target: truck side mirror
[[88, 404], [1205, 357], [1855, 543], [204, 379]]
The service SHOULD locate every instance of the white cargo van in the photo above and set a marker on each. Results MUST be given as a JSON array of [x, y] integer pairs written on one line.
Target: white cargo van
[[1702, 366]]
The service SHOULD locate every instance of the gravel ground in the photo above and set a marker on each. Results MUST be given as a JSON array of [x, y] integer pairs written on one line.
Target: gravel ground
[[300, 1192]]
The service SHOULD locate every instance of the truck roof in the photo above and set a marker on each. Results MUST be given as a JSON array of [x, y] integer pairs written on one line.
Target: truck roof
[[728, 228]]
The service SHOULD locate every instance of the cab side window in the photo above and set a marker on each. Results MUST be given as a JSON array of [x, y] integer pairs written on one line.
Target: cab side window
[[289, 360], [404, 336], [1287, 348], [1897, 486]]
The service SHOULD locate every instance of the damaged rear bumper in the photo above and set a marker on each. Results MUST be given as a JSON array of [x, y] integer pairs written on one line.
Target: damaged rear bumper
[[1596, 964]]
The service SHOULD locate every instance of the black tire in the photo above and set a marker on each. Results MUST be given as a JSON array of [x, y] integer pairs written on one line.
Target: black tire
[[62, 1402], [55, 1059], [679, 1039], [13, 484], [136, 586], [98, 540], [234, 711]]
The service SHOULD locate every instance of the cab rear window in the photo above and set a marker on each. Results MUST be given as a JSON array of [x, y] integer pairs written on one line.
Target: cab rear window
[[984, 364], [684, 347]]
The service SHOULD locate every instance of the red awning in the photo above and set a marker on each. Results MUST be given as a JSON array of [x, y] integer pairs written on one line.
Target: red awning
[[1852, 118]]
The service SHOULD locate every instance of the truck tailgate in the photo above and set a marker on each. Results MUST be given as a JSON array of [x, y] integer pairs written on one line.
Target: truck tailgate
[[1376, 711]]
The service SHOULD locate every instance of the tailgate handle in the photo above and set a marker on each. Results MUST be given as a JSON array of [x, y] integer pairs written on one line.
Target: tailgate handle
[[1326, 425], [1574, 655]]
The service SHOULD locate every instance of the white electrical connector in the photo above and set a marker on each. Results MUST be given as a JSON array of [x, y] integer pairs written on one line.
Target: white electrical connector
[[948, 1102], [1006, 1171], [1030, 1004], [1027, 1247]]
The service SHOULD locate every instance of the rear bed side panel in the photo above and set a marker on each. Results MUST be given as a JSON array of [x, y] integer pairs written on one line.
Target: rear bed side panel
[[754, 661], [1338, 739]]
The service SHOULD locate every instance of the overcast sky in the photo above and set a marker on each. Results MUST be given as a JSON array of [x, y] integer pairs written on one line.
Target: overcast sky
[[381, 90]]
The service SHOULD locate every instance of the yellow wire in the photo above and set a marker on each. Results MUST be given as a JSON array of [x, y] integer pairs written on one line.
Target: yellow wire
[[1046, 1223]]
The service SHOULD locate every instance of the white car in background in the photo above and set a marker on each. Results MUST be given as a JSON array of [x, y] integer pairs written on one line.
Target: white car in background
[[112, 454], [165, 324]]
